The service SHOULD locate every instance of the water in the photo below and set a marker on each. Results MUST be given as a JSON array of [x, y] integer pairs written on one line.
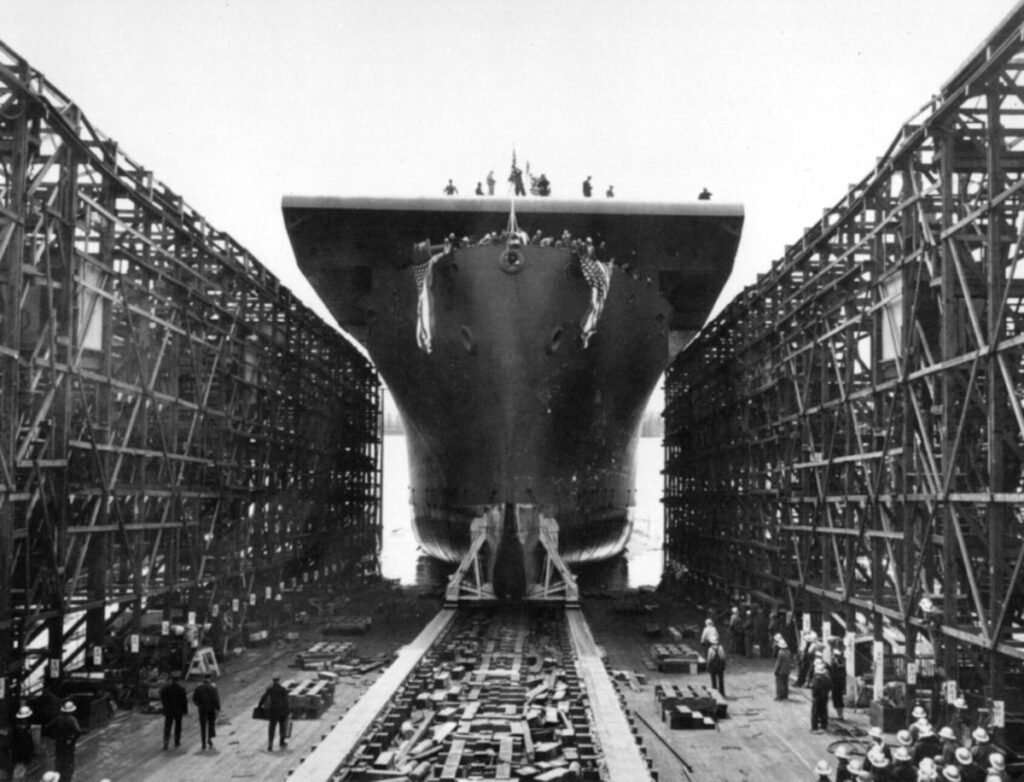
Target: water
[[400, 557]]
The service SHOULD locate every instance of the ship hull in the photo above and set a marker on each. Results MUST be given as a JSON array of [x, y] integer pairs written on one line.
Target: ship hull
[[510, 417]]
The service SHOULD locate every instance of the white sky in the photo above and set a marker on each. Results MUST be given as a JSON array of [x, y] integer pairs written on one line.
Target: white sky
[[776, 104]]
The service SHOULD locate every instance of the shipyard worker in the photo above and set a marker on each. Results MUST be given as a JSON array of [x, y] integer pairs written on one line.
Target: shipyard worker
[[450, 189], [878, 764], [916, 715], [705, 195], [50, 776], [748, 633], [709, 635], [855, 769], [949, 744], [610, 192], [587, 188], [174, 700], [927, 771], [952, 774], [997, 768], [516, 178], [716, 667], [878, 741], [776, 628], [783, 667], [928, 744], [45, 707], [843, 773], [275, 703], [823, 771], [969, 770], [207, 701], [820, 688], [810, 640], [982, 747], [479, 188], [903, 767], [735, 631], [543, 186], [837, 675], [64, 730], [23, 747], [490, 183], [959, 722]]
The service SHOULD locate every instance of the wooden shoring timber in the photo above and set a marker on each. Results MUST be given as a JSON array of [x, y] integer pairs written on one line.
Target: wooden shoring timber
[[858, 413], [171, 422]]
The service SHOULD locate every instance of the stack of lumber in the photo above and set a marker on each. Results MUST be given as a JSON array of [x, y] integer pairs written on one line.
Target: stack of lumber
[[309, 698], [677, 658], [688, 707], [323, 655]]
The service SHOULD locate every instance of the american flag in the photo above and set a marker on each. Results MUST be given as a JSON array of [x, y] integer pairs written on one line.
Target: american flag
[[599, 276]]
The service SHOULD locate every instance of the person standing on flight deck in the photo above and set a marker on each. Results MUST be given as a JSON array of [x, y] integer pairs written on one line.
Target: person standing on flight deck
[[587, 188], [490, 183]]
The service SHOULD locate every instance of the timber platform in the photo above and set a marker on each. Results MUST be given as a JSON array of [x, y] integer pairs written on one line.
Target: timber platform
[[752, 737]]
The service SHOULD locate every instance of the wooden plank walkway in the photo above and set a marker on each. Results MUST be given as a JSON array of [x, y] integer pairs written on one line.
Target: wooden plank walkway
[[346, 734], [761, 740], [621, 753]]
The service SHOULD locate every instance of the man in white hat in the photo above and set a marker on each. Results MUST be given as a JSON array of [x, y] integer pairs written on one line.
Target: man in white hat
[[951, 774], [997, 768], [843, 773], [822, 771], [902, 768], [50, 776], [916, 715], [928, 745], [949, 744], [878, 741], [879, 762], [969, 770], [709, 635], [23, 746], [782, 668], [821, 686], [927, 771], [64, 731], [960, 720], [982, 747]]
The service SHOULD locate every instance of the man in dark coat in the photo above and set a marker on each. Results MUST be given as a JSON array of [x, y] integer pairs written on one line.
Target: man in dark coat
[[736, 632], [207, 701], [837, 676], [23, 747], [820, 688], [64, 730], [716, 667], [175, 703], [776, 627], [275, 703], [928, 745], [783, 667]]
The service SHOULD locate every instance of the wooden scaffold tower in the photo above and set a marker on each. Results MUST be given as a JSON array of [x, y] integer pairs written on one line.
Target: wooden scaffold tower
[[178, 433]]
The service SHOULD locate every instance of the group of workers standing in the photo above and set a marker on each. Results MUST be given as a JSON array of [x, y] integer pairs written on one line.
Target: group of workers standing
[[957, 752], [539, 186], [58, 724], [919, 755]]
